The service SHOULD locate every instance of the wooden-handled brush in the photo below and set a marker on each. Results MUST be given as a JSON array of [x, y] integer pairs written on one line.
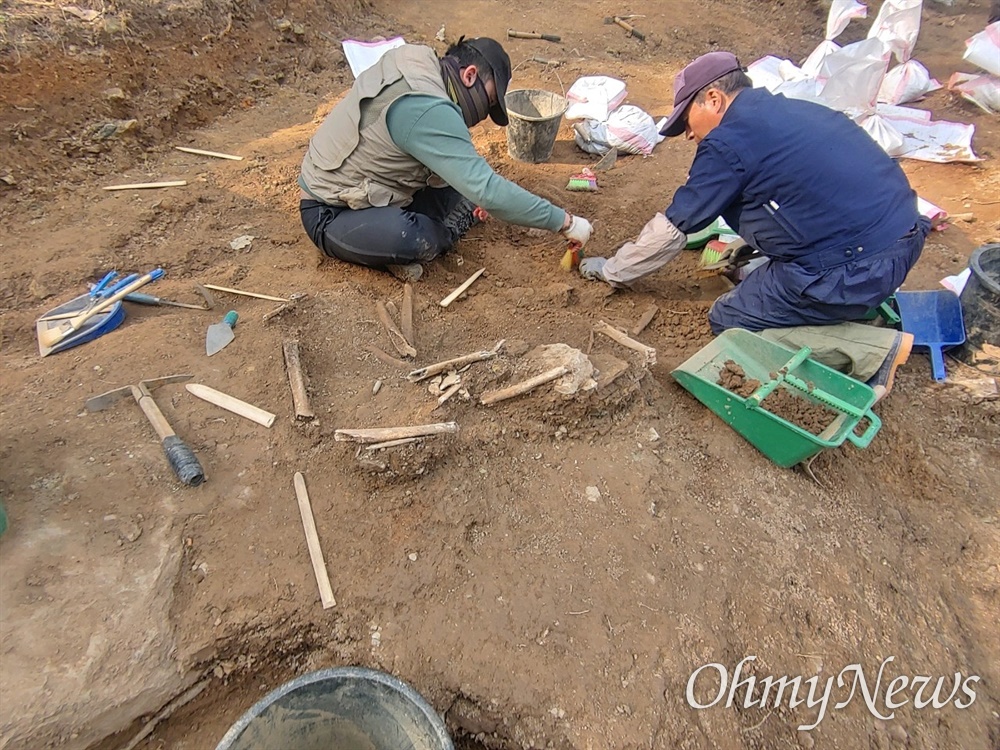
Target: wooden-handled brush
[[59, 330]]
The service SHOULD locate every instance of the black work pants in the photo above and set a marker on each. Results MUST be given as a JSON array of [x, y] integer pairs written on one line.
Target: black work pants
[[377, 237]]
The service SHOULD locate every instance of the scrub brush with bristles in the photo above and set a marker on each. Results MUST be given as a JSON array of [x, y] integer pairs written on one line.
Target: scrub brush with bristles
[[712, 254]]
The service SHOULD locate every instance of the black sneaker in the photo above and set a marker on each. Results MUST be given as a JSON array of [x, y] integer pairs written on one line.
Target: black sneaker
[[409, 272], [881, 381], [461, 218]]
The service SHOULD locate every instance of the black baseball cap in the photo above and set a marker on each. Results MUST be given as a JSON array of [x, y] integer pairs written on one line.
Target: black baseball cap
[[499, 63]]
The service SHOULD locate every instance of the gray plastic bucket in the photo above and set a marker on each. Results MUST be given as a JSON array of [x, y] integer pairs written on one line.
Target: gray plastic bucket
[[981, 302], [347, 708], [534, 117]]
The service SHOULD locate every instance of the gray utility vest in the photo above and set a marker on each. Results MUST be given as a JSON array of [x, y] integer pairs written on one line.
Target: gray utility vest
[[352, 160]]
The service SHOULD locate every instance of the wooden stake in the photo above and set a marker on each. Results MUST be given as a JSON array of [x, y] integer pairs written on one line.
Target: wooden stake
[[245, 294], [312, 541], [524, 386], [406, 318], [231, 403], [214, 154], [645, 320], [147, 185], [453, 364], [395, 337], [296, 380], [380, 434], [616, 335], [465, 285]]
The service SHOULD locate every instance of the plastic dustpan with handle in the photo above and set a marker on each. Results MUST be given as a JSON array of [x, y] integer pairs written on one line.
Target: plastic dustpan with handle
[[98, 325], [934, 317], [777, 366]]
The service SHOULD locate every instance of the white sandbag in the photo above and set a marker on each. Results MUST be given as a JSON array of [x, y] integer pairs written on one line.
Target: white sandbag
[[983, 49], [594, 97], [852, 76], [815, 60], [983, 91], [628, 129], [632, 131], [906, 83], [897, 25], [765, 72], [884, 134], [841, 13]]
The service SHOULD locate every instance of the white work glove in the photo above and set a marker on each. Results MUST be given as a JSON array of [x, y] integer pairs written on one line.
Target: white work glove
[[593, 268], [579, 230]]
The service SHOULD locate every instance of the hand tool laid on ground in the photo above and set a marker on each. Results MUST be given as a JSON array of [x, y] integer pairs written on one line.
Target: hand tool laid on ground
[[148, 299], [182, 460], [221, 334], [629, 28], [99, 292], [53, 335], [532, 35]]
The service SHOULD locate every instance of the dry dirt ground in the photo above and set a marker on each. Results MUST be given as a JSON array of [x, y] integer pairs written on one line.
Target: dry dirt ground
[[530, 612]]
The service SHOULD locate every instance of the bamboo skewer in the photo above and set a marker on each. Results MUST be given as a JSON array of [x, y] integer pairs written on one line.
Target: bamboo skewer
[[245, 294], [231, 403]]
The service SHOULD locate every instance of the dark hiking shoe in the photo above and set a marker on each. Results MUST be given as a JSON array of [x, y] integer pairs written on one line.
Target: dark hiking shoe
[[881, 381], [407, 273], [461, 218]]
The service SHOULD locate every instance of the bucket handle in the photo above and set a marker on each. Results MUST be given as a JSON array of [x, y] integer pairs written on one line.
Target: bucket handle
[[865, 439]]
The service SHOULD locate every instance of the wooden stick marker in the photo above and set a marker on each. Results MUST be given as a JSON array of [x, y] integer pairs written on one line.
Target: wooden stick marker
[[465, 285], [312, 541], [233, 404], [214, 154], [147, 185]]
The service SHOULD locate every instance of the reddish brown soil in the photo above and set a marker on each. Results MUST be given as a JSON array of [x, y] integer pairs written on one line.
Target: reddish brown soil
[[528, 610]]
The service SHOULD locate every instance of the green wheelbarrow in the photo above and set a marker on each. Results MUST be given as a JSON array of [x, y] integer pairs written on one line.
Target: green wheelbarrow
[[776, 366]]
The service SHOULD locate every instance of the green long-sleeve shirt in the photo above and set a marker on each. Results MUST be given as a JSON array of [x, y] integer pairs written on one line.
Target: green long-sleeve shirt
[[433, 132]]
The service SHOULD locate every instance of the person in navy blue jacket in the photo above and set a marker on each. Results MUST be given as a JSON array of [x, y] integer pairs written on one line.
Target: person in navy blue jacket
[[810, 190]]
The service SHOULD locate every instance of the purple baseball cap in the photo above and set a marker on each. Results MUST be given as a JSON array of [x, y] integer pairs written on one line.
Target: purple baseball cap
[[696, 76]]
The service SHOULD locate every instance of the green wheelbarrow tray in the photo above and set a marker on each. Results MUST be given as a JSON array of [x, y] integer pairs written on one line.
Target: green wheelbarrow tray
[[785, 443]]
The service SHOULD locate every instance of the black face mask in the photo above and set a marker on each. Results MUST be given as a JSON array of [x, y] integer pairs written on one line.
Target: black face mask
[[473, 100]]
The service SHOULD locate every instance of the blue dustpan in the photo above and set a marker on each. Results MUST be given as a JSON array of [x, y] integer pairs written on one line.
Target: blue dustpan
[[935, 320], [101, 323]]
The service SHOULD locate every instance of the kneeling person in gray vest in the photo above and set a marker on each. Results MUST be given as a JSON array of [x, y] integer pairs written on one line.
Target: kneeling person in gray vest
[[391, 178]]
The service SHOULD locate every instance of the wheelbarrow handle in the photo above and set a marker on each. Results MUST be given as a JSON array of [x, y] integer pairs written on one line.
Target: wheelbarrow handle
[[864, 440]]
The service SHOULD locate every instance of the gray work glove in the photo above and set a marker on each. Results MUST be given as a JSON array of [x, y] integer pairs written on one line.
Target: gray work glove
[[593, 268]]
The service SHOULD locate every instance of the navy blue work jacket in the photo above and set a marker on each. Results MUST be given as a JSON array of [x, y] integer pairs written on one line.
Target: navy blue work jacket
[[798, 181]]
